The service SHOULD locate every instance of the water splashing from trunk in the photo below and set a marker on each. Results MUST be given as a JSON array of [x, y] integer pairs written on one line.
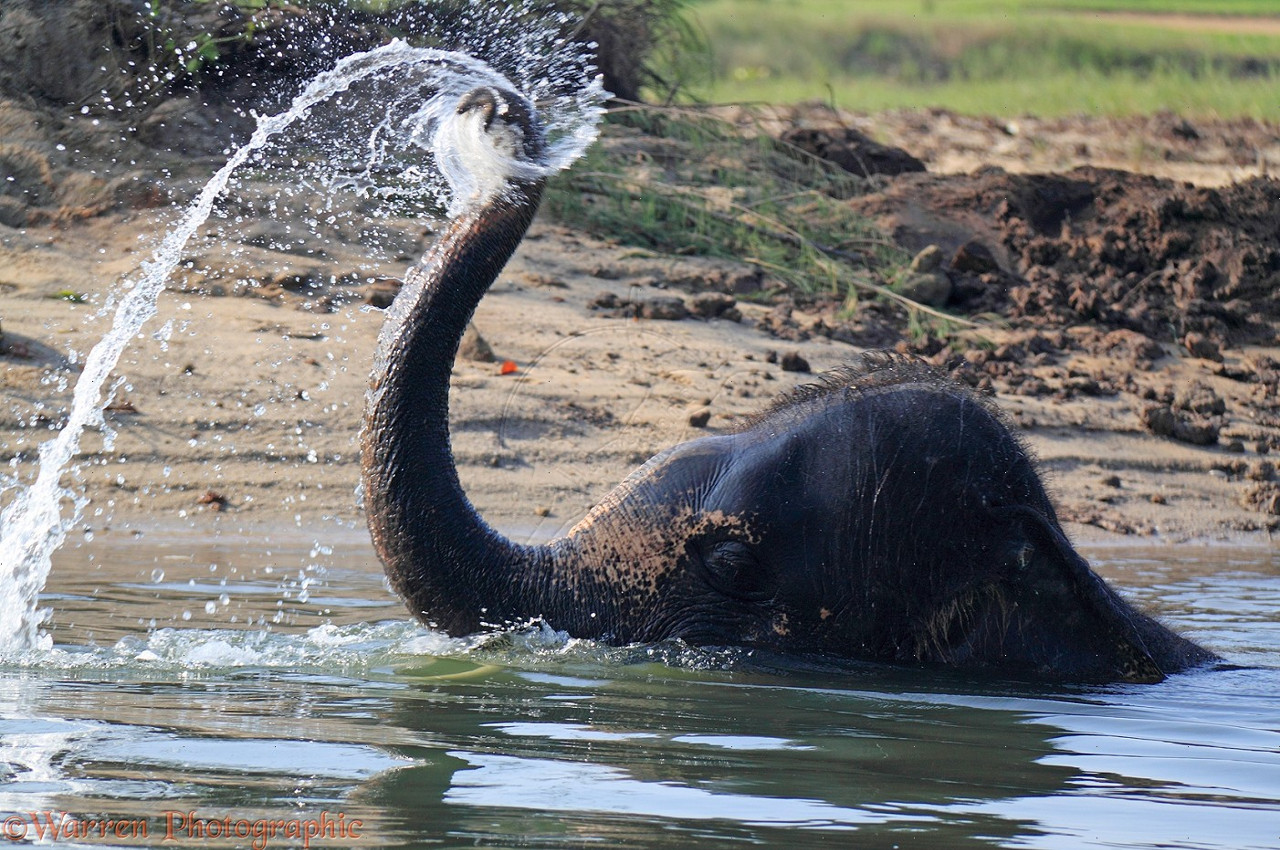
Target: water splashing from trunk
[[33, 525]]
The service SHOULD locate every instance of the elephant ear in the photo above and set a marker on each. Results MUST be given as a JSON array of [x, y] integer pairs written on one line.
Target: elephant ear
[[1064, 596], [734, 569]]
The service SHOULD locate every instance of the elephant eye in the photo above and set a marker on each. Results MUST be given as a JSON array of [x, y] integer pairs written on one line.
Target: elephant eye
[[734, 570]]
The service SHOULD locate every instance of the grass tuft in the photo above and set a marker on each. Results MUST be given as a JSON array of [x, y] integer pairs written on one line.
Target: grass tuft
[[683, 181]]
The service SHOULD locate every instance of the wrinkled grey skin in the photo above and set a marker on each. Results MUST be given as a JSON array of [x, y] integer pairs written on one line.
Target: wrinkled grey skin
[[884, 514]]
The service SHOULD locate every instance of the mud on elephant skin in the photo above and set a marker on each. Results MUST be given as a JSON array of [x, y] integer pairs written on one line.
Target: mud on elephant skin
[[883, 514]]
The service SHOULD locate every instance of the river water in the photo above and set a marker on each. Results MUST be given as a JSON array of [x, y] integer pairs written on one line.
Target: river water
[[204, 685]]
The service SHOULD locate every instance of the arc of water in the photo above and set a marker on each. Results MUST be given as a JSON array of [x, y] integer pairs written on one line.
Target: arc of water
[[32, 526]]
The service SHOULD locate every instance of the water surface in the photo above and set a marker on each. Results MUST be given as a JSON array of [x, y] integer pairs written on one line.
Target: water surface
[[275, 679]]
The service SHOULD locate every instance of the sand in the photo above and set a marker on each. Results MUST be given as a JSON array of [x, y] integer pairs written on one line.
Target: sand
[[248, 414]]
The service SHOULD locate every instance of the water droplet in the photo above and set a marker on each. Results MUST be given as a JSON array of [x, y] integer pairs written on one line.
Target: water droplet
[[210, 607], [157, 575]]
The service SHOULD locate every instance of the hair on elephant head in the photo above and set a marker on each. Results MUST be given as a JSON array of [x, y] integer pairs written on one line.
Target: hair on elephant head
[[884, 513]]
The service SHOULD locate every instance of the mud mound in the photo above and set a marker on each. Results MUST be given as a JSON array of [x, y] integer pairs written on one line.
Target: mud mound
[[87, 119], [852, 151], [45, 46], [1111, 248]]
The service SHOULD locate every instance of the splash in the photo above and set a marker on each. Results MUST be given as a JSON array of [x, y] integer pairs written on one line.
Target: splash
[[427, 82], [365, 647]]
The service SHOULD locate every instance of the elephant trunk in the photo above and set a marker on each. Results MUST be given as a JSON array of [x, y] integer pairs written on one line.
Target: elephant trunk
[[453, 570]]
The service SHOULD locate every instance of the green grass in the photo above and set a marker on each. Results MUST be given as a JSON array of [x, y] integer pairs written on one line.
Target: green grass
[[1184, 7], [1085, 93], [679, 181], [997, 57]]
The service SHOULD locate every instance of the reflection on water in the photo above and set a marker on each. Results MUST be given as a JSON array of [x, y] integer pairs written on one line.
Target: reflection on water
[[281, 681]]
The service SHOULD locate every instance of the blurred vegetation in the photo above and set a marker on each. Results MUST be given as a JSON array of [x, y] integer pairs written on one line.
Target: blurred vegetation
[[1183, 7], [998, 57], [647, 48]]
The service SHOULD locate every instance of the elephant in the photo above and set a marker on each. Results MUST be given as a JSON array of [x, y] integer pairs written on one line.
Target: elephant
[[885, 513]]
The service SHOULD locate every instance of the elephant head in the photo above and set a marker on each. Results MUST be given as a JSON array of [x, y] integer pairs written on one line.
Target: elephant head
[[883, 514]]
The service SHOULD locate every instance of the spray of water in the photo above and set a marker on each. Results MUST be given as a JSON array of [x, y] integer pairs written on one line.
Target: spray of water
[[33, 525]]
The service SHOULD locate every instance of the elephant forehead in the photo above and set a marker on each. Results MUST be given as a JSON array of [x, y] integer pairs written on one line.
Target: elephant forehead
[[810, 465], [850, 451], [661, 489], [659, 548], [636, 553]]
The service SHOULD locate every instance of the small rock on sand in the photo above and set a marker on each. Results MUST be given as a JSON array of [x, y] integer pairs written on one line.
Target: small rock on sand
[[1201, 346], [793, 362], [474, 347], [1165, 421]]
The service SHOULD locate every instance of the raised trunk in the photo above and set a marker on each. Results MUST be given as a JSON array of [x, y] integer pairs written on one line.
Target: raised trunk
[[452, 569]]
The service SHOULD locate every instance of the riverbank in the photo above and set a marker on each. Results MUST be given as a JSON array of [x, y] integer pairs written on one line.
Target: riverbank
[[243, 405]]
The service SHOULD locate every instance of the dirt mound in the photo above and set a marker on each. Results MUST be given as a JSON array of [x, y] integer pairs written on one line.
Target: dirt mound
[[852, 151], [79, 85], [1110, 248], [44, 45]]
